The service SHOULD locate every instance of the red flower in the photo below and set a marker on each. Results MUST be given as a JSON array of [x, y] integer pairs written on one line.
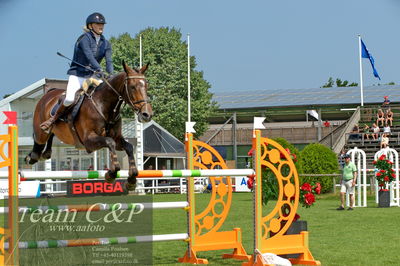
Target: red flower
[[309, 199], [378, 174], [382, 171], [389, 162], [386, 179], [251, 151], [393, 175], [306, 187], [383, 157], [283, 156], [250, 183], [374, 162], [317, 188]]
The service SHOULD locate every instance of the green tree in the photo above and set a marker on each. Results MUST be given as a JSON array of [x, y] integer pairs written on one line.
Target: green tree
[[316, 158], [339, 83], [167, 76]]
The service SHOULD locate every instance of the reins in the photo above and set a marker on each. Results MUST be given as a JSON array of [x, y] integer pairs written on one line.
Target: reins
[[120, 98]]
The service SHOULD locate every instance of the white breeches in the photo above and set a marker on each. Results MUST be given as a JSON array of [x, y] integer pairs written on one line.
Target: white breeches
[[74, 84]]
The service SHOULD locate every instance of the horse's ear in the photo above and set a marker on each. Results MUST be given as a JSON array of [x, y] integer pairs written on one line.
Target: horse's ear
[[144, 68], [126, 67]]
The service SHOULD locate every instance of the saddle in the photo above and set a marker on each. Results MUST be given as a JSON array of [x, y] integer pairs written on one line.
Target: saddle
[[72, 112], [87, 86]]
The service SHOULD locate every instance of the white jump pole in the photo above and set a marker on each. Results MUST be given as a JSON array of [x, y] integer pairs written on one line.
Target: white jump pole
[[124, 174], [358, 157]]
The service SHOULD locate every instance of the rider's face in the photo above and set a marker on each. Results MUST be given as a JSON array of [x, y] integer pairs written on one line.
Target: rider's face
[[97, 28]]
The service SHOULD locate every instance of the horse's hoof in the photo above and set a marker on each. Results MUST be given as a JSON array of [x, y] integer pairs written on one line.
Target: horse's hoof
[[133, 172], [110, 177], [130, 186], [30, 160], [46, 155]]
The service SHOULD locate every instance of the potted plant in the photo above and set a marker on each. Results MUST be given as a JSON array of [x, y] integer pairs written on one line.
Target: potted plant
[[307, 199], [384, 175]]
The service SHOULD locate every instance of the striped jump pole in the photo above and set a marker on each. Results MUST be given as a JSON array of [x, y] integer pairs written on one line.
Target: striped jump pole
[[98, 241], [11, 161], [29, 175], [210, 239], [102, 207]]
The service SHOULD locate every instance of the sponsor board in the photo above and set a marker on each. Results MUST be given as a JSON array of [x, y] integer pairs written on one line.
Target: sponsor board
[[84, 188], [241, 184], [26, 189]]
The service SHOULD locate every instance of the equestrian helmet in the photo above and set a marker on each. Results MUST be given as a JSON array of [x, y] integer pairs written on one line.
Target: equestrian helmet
[[95, 18]]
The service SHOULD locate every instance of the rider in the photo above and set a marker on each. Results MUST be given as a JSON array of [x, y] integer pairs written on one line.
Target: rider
[[90, 48]]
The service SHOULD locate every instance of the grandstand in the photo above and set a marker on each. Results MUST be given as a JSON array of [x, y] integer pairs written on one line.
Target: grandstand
[[286, 116]]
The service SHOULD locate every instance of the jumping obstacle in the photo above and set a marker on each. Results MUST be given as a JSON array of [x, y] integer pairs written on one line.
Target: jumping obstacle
[[98, 241], [102, 207], [203, 228], [393, 156], [269, 231], [358, 157]]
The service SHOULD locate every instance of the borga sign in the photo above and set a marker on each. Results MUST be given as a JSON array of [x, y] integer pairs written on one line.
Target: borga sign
[[98, 187]]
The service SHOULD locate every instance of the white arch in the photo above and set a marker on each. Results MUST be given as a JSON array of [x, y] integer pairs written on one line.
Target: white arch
[[358, 157], [394, 186]]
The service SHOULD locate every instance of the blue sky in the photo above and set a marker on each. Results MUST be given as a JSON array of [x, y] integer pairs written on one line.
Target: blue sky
[[238, 44]]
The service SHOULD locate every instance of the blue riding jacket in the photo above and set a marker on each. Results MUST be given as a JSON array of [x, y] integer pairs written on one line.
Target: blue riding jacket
[[88, 53]]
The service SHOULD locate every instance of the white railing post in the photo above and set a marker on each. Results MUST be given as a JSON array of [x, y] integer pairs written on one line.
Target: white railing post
[[358, 157], [393, 156]]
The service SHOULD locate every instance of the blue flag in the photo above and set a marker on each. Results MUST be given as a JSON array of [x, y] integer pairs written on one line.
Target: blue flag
[[366, 54]]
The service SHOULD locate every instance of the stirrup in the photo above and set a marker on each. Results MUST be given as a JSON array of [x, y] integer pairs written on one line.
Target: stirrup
[[46, 125]]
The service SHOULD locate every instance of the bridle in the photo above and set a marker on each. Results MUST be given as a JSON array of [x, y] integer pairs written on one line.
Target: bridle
[[120, 98]]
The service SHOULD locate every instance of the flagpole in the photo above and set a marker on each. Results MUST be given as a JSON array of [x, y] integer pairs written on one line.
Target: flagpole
[[188, 65], [361, 70]]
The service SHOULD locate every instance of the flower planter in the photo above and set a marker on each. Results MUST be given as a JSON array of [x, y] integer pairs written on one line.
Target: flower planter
[[294, 229], [383, 199]]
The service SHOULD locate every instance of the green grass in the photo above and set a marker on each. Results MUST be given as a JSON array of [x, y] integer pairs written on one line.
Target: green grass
[[365, 236]]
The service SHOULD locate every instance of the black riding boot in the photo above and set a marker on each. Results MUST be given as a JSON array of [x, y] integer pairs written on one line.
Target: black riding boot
[[45, 126]]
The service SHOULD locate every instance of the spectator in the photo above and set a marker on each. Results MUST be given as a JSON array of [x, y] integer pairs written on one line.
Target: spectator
[[384, 141], [327, 124], [341, 158], [367, 131], [386, 102], [389, 116], [380, 116], [375, 131], [386, 129], [355, 133], [348, 182]]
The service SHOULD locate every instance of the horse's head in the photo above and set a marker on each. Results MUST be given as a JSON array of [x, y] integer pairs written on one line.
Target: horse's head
[[136, 92]]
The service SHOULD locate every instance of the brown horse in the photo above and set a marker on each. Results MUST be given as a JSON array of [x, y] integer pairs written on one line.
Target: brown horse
[[98, 122]]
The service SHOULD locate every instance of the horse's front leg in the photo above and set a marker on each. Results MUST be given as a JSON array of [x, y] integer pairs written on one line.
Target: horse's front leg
[[96, 142], [133, 171]]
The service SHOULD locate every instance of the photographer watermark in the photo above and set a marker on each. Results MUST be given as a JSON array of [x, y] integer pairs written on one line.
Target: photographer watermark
[[115, 213]]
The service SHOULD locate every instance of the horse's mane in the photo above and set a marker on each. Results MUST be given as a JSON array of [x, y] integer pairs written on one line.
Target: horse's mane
[[110, 80]]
